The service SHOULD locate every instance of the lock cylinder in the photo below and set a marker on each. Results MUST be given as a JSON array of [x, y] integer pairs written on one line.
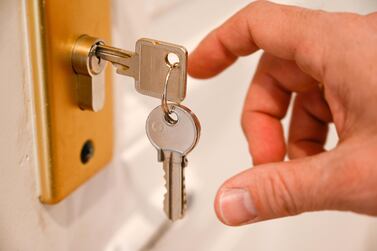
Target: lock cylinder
[[90, 73]]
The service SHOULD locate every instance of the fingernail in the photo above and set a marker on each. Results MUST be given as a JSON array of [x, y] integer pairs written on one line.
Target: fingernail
[[236, 206]]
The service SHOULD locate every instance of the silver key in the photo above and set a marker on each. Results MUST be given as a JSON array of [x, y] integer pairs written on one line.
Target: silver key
[[148, 65], [173, 142]]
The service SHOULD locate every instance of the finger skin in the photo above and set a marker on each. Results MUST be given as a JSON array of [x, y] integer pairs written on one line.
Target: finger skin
[[275, 190], [333, 180], [266, 104], [310, 47], [309, 125], [292, 33]]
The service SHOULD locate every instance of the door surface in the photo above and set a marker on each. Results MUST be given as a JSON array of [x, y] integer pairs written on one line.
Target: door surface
[[120, 208]]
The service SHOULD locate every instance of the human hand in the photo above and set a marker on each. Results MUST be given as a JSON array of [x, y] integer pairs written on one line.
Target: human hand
[[330, 61]]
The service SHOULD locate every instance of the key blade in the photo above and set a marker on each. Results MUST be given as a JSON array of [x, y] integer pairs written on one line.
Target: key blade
[[126, 62], [175, 196]]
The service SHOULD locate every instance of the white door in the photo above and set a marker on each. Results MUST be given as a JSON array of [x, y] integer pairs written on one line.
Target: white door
[[120, 208]]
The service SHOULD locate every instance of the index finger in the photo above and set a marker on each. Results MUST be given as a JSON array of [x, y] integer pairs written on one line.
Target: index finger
[[287, 32]]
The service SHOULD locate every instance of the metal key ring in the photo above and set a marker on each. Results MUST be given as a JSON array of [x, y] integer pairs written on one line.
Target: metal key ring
[[164, 99]]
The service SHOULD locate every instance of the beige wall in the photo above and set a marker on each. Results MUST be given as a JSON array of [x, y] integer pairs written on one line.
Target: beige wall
[[120, 208]]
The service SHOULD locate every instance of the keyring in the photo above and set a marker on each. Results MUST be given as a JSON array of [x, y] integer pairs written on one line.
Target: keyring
[[164, 99]]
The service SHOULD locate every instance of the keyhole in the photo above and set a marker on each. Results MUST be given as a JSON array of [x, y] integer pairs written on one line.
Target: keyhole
[[87, 151]]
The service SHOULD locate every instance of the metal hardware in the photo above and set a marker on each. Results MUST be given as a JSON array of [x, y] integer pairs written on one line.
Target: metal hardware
[[164, 101], [126, 62], [173, 143], [73, 144], [67, 87], [149, 66], [90, 73]]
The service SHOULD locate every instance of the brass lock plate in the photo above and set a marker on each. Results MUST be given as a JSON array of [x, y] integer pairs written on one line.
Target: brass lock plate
[[73, 144]]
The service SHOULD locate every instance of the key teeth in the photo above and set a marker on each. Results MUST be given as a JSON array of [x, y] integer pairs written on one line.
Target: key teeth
[[166, 191], [184, 186], [166, 200], [166, 195], [184, 206]]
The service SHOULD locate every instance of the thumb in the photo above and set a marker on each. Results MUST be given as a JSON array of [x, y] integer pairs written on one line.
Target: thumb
[[276, 190]]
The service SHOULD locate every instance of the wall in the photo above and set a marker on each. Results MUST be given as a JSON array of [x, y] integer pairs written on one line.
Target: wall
[[120, 208]]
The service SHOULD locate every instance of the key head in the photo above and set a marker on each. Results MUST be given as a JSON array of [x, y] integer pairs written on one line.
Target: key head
[[180, 137], [153, 68]]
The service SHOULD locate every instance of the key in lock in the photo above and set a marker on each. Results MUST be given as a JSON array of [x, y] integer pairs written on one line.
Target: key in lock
[[148, 65]]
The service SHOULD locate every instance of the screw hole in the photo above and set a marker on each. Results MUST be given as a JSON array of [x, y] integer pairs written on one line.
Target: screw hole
[[87, 151], [172, 59]]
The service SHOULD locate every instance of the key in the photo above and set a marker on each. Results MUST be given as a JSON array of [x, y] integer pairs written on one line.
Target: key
[[148, 65], [173, 141]]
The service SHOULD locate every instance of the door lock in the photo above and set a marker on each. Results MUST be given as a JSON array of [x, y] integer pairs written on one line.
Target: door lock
[[148, 65], [90, 73], [73, 144]]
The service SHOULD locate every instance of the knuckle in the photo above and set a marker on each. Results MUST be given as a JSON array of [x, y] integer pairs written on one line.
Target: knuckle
[[311, 52], [284, 193], [258, 7], [259, 4], [372, 17], [371, 21], [275, 193]]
